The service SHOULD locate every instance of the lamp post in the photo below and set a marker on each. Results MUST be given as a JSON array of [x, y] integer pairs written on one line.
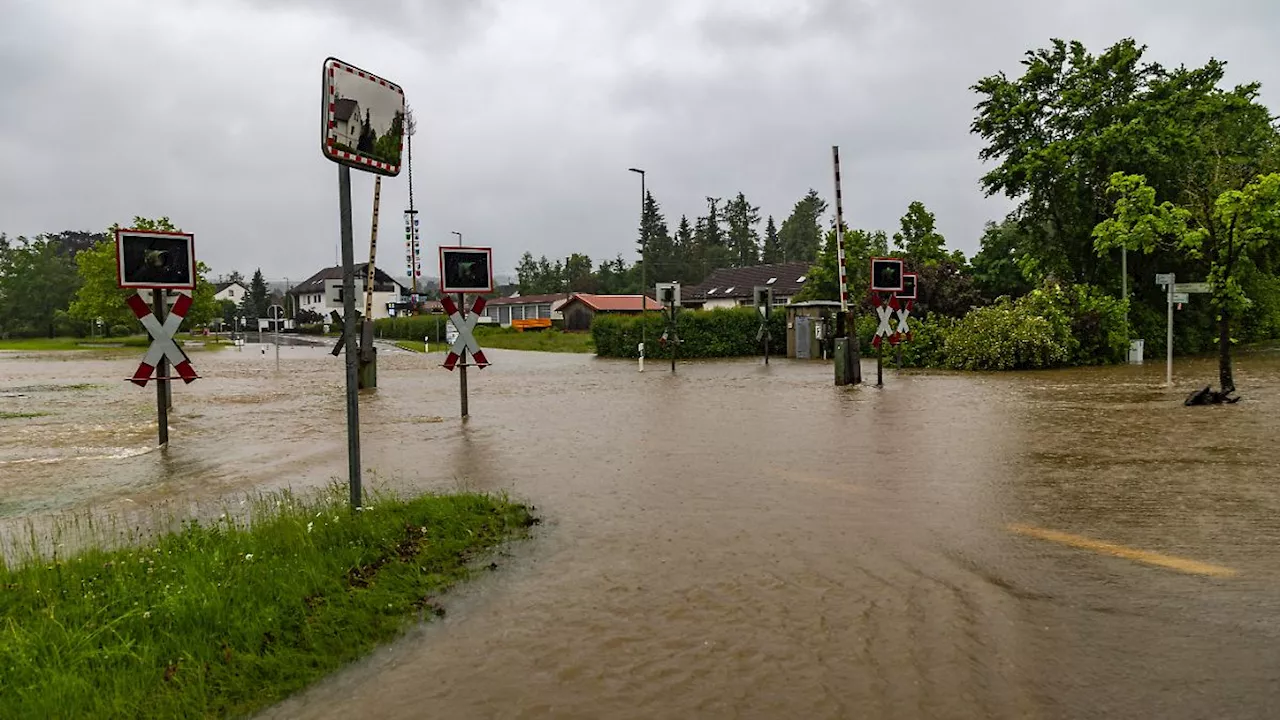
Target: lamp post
[[644, 265], [455, 232]]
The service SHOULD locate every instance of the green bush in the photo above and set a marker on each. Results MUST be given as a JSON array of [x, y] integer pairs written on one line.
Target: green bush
[[121, 331], [414, 327], [928, 340], [1004, 336], [703, 334]]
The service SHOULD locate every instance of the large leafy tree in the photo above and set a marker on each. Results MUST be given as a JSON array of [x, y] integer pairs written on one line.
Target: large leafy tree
[[741, 219], [1059, 131], [801, 235]]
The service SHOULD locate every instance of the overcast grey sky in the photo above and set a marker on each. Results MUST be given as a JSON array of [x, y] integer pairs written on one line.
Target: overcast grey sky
[[530, 111]]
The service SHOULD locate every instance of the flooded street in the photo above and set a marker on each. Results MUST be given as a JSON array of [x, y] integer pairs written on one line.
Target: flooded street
[[746, 541]]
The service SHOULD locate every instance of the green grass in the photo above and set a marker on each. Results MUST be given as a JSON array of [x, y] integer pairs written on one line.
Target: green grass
[[114, 343], [413, 345], [223, 618], [20, 415]]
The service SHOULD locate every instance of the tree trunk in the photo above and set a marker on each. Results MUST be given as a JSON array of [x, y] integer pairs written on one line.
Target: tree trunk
[[1225, 380]]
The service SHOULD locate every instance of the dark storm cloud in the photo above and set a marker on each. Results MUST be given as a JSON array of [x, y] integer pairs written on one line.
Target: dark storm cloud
[[530, 111]]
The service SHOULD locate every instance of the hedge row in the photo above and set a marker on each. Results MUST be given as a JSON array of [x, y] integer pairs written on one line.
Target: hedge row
[[414, 327], [703, 334]]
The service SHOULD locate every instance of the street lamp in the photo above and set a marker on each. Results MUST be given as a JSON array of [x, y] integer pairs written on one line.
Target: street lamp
[[644, 269], [455, 232]]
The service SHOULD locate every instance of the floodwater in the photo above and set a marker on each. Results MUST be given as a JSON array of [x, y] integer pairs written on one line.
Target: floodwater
[[741, 541]]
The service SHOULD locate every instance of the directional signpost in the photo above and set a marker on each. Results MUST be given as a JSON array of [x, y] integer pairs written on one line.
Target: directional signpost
[[1169, 281], [158, 261]]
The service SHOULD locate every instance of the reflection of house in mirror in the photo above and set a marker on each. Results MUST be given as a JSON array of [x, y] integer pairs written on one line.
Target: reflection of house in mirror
[[346, 113]]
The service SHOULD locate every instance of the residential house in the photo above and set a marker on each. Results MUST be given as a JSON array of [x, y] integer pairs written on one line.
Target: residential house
[[322, 293], [346, 114], [504, 310], [580, 310], [734, 287], [232, 291]]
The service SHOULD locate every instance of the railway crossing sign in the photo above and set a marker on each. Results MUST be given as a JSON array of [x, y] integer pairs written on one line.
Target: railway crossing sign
[[162, 344], [884, 329], [904, 328], [466, 341]]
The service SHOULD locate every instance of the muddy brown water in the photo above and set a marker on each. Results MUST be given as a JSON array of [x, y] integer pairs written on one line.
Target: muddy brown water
[[745, 541]]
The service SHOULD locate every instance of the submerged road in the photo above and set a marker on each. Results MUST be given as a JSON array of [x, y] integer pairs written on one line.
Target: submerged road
[[746, 541]]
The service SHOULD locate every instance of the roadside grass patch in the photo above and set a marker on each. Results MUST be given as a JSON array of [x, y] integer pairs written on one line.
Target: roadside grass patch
[[21, 415], [226, 617]]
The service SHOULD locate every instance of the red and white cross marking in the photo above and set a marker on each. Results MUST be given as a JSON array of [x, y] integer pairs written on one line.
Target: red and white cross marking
[[466, 341], [162, 344], [904, 312], [884, 329]]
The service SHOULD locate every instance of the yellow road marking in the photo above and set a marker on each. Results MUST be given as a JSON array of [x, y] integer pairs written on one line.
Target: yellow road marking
[[1171, 562]]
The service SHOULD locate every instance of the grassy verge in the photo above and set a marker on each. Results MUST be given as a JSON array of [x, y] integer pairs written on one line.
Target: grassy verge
[[114, 343], [224, 618], [20, 415], [541, 340], [412, 345]]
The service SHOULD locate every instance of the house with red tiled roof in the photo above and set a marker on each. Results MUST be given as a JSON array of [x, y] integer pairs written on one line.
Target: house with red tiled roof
[[580, 310]]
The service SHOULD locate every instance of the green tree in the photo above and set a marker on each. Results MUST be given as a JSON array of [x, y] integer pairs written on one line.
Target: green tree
[[772, 252], [711, 249], [801, 235], [1057, 133], [919, 239], [1224, 236], [824, 277], [997, 267], [258, 295], [37, 281], [685, 251], [578, 274], [654, 243], [741, 219]]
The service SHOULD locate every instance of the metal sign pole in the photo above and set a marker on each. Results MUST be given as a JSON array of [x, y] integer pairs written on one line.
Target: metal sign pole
[[162, 371], [675, 338], [1168, 369], [462, 370], [767, 336], [349, 334]]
